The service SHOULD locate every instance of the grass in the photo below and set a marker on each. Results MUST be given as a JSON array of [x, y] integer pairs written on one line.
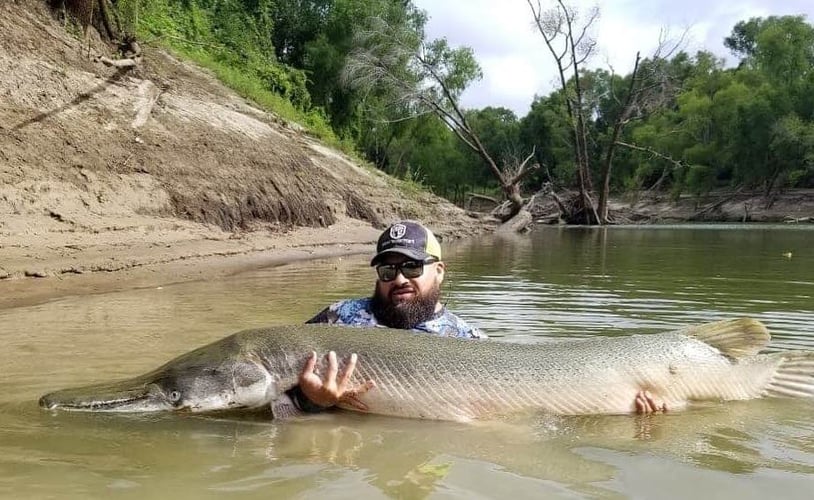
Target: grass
[[247, 85], [189, 31]]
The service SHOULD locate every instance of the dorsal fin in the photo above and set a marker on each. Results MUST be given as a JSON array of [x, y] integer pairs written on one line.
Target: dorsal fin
[[736, 338]]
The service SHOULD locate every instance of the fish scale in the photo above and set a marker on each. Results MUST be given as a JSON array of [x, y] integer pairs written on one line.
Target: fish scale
[[431, 377]]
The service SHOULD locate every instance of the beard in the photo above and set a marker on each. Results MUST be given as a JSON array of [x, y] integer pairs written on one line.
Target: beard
[[405, 314]]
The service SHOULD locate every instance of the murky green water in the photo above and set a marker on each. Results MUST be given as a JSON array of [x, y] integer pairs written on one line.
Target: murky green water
[[557, 283]]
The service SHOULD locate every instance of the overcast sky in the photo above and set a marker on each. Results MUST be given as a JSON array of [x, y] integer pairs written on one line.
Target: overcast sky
[[516, 63]]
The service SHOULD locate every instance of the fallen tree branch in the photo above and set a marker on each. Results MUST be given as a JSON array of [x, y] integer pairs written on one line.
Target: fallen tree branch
[[119, 63], [655, 153], [713, 206], [132, 52], [483, 197]]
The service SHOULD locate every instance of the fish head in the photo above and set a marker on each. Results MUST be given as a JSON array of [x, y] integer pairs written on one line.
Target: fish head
[[186, 384]]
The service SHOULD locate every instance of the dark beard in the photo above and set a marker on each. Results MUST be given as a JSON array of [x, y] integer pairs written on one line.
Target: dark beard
[[406, 314]]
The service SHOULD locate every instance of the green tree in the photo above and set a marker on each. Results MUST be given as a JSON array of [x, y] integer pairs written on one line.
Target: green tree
[[433, 80], [545, 131]]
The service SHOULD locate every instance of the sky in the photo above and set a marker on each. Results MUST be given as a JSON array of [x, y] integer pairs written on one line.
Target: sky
[[516, 63]]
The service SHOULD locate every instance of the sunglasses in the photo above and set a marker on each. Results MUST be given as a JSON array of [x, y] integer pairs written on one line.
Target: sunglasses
[[409, 269]]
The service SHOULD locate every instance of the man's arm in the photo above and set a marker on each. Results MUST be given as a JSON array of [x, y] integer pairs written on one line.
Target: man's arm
[[313, 393], [298, 397]]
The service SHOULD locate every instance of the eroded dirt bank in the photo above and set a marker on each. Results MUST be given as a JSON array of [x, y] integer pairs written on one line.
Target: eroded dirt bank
[[110, 178], [116, 178]]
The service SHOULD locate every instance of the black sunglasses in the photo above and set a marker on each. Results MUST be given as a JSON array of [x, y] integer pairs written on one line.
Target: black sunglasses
[[409, 269]]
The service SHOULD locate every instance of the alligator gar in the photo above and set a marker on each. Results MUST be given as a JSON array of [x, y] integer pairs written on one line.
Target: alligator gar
[[430, 377]]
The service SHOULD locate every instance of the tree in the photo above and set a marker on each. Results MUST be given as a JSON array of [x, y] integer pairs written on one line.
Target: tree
[[571, 45], [432, 81], [599, 105], [649, 87], [781, 47], [546, 130]]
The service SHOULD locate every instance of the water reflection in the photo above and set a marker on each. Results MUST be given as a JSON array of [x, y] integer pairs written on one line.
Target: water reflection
[[571, 456], [583, 281], [556, 283]]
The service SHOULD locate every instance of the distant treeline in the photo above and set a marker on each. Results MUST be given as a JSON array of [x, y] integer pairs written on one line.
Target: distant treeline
[[749, 126]]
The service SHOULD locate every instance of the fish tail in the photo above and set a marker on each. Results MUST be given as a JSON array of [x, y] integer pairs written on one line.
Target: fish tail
[[794, 376]]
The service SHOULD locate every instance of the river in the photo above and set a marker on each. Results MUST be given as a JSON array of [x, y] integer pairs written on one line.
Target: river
[[555, 283]]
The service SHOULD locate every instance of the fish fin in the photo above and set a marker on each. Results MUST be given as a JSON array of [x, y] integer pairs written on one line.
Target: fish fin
[[794, 376], [283, 408], [736, 338]]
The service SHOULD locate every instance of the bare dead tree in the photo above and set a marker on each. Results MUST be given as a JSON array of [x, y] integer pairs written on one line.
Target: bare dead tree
[[650, 88], [421, 77], [571, 45]]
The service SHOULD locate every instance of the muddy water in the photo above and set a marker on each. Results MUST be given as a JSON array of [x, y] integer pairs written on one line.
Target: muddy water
[[557, 283]]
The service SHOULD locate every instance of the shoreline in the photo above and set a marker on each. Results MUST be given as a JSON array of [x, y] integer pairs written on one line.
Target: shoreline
[[171, 264], [180, 265], [111, 182]]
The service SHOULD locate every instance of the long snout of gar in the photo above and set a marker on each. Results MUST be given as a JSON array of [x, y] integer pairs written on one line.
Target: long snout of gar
[[127, 396], [431, 377]]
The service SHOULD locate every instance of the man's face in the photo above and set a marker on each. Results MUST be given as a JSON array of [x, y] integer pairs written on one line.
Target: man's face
[[405, 302]]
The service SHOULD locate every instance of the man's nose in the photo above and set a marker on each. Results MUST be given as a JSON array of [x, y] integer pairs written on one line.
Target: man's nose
[[400, 279]]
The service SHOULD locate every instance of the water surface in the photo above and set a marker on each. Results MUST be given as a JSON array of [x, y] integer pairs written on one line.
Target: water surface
[[556, 283]]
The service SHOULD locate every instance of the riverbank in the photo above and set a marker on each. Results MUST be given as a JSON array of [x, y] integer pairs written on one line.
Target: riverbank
[[113, 178], [161, 257]]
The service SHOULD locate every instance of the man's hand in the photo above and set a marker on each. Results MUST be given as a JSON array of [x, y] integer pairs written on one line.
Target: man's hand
[[645, 404], [332, 388]]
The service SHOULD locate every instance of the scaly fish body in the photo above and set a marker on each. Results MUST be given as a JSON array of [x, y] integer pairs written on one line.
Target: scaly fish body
[[430, 377]]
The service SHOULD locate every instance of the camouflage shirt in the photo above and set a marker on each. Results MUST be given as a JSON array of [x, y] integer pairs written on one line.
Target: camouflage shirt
[[356, 312]]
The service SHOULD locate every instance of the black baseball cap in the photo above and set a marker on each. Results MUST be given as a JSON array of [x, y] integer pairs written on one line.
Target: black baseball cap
[[408, 238]]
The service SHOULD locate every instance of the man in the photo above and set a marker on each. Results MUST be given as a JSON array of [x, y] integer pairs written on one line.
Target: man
[[407, 295]]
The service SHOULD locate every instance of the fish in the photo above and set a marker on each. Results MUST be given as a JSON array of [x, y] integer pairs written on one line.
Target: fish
[[423, 376]]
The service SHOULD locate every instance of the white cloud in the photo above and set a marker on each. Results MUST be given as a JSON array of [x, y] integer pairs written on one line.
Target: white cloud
[[517, 65]]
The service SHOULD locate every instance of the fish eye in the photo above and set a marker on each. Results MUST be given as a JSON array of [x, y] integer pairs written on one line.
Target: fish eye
[[175, 396]]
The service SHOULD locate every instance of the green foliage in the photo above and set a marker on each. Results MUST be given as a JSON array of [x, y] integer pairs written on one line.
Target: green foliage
[[499, 132], [233, 39], [287, 82], [780, 47], [546, 129], [792, 146], [746, 126], [751, 126], [700, 179]]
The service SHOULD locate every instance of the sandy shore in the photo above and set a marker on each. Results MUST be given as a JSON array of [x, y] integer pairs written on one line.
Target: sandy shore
[[32, 270], [115, 179], [111, 178]]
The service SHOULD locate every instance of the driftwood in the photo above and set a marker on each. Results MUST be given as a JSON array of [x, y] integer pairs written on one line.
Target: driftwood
[[698, 214], [482, 197], [132, 56], [106, 22]]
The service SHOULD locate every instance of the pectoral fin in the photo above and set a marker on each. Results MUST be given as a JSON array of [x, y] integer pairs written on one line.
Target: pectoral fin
[[283, 408]]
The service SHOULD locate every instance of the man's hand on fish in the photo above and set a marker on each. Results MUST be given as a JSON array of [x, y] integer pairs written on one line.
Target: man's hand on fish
[[646, 405], [333, 387]]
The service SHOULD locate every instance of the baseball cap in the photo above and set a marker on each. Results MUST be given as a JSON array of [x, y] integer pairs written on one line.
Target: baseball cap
[[407, 238]]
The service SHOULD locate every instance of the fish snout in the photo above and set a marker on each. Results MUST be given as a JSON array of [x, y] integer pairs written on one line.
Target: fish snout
[[109, 397]]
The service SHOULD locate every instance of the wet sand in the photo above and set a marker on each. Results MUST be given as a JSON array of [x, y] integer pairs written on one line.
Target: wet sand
[[38, 271]]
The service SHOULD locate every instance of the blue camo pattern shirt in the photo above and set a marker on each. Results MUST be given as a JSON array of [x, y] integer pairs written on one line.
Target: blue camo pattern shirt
[[356, 312]]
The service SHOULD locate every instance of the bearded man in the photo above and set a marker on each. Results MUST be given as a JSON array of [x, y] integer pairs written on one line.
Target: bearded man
[[406, 296]]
